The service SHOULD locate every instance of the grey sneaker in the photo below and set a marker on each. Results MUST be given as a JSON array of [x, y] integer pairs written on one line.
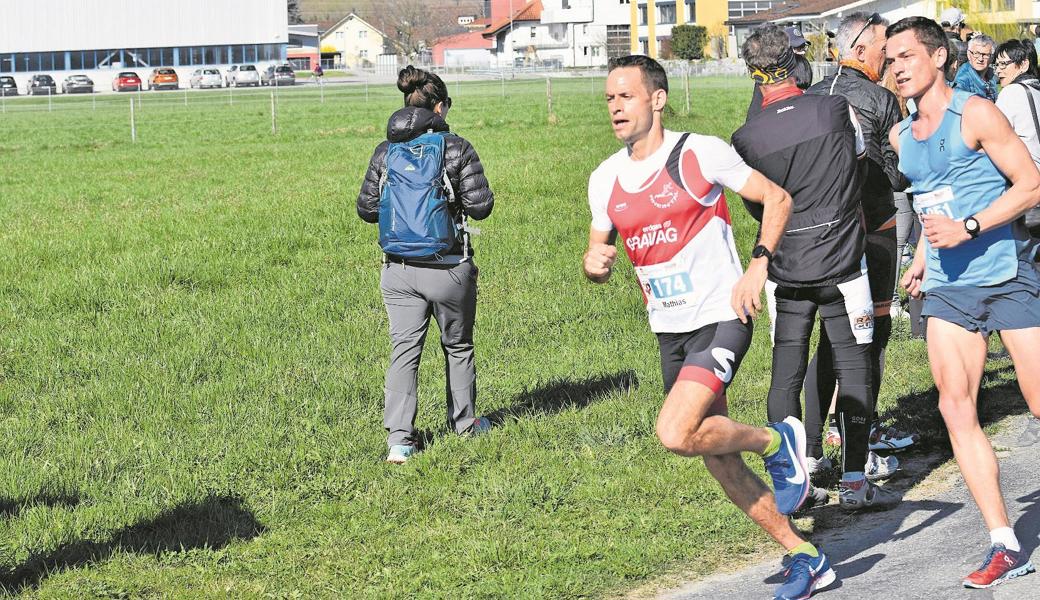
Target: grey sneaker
[[818, 465], [817, 497], [864, 495], [880, 467], [1030, 435], [400, 454]]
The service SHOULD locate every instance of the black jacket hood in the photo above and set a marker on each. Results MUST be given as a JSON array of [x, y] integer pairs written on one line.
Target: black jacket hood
[[410, 122]]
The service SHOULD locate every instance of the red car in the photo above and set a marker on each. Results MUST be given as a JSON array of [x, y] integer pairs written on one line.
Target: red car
[[127, 81]]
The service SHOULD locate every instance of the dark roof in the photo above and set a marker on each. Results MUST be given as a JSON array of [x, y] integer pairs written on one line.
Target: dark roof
[[792, 9]]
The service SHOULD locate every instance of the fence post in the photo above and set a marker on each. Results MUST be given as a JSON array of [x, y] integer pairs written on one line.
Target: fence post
[[548, 97], [686, 84], [133, 122], [274, 118]]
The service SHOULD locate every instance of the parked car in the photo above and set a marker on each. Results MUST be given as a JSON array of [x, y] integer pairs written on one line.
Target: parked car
[[278, 76], [77, 84], [8, 87], [242, 75], [204, 78], [127, 81], [163, 79], [41, 84]]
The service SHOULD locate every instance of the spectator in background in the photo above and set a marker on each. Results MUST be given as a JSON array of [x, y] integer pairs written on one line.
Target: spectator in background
[[1019, 102], [976, 76], [802, 70], [952, 22]]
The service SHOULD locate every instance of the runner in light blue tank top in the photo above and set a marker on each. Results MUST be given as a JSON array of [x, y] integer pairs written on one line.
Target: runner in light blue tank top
[[949, 178], [972, 179]]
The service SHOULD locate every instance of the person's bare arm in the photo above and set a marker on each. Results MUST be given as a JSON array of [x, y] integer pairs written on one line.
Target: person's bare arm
[[601, 255], [986, 128], [776, 203]]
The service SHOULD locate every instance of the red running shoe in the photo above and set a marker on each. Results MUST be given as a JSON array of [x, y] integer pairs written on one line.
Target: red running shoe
[[1000, 565]]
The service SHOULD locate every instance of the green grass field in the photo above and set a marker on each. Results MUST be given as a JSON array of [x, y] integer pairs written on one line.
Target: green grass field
[[192, 350]]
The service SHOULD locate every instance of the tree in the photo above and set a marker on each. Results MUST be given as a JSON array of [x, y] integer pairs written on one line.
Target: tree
[[412, 26], [294, 12], [688, 41]]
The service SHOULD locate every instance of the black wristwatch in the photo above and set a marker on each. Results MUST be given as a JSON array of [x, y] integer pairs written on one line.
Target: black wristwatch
[[971, 225], [760, 251]]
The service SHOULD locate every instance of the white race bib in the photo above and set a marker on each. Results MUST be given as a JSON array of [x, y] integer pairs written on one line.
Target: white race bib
[[936, 202], [667, 285]]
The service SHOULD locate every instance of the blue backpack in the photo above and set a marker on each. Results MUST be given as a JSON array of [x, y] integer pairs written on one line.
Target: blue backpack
[[414, 192]]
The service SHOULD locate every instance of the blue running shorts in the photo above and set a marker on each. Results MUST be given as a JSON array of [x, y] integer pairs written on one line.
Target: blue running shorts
[[1014, 304]]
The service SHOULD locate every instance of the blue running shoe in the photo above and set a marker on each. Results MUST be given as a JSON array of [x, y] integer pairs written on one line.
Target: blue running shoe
[[788, 466], [804, 576]]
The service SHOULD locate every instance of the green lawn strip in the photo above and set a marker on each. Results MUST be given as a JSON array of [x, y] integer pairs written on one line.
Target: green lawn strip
[[192, 348]]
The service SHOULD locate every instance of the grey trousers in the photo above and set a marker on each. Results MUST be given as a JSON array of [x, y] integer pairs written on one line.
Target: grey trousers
[[411, 295]]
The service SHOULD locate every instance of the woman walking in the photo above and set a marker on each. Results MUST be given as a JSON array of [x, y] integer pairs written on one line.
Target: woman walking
[[443, 283]]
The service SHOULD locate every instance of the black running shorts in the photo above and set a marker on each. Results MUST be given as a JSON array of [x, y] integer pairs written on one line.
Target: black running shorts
[[709, 355]]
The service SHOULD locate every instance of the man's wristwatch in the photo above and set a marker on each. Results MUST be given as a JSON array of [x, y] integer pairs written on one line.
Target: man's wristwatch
[[971, 225], [760, 251]]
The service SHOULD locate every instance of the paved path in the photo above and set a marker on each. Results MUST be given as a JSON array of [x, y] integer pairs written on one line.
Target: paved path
[[920, 550]]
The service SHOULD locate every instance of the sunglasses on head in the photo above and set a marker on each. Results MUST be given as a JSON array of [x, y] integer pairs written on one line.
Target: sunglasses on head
[[447, 103], [874, 19]]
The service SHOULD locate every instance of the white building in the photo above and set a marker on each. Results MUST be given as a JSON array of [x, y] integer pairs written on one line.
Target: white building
[[101, 37], [564, 33], [351, 42]]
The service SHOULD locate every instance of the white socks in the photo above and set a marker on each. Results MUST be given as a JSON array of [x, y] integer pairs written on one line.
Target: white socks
[[1006, 536]]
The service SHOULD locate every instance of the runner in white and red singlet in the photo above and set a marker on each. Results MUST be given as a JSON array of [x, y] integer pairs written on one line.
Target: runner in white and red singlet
[[663, 196]]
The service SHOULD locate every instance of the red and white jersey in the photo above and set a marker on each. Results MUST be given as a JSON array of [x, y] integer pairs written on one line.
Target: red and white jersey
[[677, 233]]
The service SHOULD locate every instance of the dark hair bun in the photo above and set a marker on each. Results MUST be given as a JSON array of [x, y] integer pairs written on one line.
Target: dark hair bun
[[410, 79]]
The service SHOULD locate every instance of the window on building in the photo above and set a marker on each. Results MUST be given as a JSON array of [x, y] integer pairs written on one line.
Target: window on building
[[534, 33], [1006, 5], [985, 5], [666, 14], [691, 11], [362, 34], [363, 53], [595, 50], [617, 40], [566, 4], [642, 15]]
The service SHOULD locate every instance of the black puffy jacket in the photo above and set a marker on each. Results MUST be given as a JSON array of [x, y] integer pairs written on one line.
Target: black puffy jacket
[[460, 161], [877, 111]]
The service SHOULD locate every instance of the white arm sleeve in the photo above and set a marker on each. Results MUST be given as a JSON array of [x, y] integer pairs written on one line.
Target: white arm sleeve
[[599, 197], [719, 162]]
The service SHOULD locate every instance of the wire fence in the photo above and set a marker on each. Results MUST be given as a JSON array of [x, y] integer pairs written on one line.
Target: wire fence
[[313, 108]]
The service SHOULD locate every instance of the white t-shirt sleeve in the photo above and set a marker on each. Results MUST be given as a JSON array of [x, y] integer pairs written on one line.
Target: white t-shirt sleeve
[[719, 162], [861, 144], [599, 197]]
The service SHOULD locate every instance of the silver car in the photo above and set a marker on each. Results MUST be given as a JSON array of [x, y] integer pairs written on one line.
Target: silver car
[[205, 78], [239, 75]]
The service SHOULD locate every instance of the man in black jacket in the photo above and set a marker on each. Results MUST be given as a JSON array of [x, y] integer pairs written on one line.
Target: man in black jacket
[[861, 41], [802, 70], [809, 146]]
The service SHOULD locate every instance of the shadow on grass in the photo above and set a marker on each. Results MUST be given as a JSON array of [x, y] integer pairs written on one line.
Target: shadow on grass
[[919, 413], [212, 523], [557, 396], [12, 507], [554, 397]]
